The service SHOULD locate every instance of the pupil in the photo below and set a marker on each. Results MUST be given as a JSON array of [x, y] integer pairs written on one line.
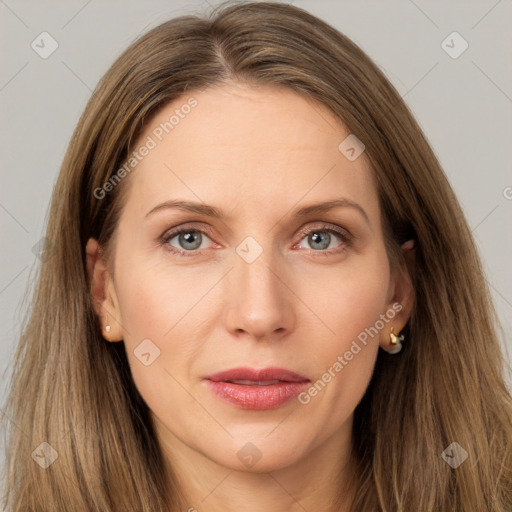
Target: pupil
[[190, 238], [314, 238]]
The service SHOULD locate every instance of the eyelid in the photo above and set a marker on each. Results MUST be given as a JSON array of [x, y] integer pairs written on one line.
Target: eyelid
[[172, 232], [326, 226]]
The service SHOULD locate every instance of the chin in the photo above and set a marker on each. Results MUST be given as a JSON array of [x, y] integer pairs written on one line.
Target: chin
[[258, 454]]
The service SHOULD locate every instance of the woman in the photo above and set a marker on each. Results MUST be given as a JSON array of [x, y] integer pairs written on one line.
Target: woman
[[246, 213]]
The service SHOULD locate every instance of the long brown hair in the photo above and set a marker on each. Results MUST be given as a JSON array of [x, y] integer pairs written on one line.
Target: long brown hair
[[74, 391]]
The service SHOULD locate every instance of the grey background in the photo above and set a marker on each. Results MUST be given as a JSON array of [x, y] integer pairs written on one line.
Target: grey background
[[464, 106]]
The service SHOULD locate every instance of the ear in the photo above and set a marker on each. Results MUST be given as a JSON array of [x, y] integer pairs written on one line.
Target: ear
[[401, 295], [103, 292]]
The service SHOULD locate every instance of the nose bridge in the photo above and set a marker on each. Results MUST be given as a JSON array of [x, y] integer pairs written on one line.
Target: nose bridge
[[259, 275], [259, 299]]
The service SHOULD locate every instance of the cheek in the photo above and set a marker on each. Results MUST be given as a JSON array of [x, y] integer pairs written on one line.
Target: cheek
[[150, 307], [346, 298], [154, 296], [168, 306], [146, 307], [350, 304]]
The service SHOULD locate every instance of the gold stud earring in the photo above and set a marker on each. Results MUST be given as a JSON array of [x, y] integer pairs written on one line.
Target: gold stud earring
[[395, 343]]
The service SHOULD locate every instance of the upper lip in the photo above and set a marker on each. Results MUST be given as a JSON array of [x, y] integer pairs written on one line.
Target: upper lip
[[251, 374]]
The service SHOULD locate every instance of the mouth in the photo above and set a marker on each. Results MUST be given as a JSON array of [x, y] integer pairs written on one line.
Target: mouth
[[249, 376], [264, 389], [255, 383]]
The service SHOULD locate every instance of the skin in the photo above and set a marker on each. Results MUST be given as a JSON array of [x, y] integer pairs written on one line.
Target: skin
[[257, 154]]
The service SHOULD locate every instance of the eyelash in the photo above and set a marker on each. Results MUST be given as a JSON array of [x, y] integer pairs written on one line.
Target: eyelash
[[323, 228]]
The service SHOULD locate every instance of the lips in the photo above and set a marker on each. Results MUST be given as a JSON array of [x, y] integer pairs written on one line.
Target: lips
[[264, 389]]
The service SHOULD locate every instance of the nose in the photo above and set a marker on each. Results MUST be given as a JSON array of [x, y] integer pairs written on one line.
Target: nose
[[259, 300]]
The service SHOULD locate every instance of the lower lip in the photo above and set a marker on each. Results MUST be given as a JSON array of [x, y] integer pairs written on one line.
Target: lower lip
[[259, 398]]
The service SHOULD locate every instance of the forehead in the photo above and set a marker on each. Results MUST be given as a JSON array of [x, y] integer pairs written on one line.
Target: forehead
[[245, 147]]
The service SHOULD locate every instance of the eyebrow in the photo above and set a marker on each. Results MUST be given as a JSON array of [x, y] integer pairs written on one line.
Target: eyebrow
[[212, 211]]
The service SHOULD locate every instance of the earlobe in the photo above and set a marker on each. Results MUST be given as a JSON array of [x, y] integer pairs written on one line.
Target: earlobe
[[102, 292]]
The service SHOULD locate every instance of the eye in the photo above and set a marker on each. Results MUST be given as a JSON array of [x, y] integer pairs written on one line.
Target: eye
[[324, 237], [188, 240]]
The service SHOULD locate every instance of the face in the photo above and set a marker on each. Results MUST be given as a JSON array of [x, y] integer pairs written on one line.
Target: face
[[258, 285]]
